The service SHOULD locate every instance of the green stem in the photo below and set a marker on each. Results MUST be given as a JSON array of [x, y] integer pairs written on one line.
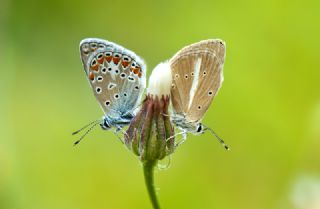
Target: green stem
[[148, 177]]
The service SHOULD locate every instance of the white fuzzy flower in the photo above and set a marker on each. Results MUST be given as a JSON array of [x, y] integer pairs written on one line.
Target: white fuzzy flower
[[160, 80]]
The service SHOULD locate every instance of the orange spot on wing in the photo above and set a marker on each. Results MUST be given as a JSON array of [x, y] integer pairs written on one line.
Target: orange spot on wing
[[91, 76], [139, 74], [136, 70], [95, 67], [100, 60], [116, 60], [125, 63], [108, 59]]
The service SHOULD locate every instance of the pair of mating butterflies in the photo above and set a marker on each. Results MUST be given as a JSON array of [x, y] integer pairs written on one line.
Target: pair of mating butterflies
[[118, 79]]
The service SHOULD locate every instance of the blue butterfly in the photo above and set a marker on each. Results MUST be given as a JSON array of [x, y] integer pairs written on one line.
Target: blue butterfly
[[117, 77]]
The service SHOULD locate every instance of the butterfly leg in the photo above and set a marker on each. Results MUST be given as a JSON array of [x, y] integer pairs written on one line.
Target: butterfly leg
[[116, 131], [173, 116], [184, 138], [165, 166], [166, 115], [118, 128], [172, 137]]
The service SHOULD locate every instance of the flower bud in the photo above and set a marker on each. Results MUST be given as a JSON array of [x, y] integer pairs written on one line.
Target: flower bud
[[151, 134]]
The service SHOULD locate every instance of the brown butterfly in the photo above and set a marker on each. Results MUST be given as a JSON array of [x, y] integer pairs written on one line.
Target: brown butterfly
[[197, 75]]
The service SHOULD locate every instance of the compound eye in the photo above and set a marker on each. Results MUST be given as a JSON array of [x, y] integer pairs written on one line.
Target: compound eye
[[106, 124], [199, 128]]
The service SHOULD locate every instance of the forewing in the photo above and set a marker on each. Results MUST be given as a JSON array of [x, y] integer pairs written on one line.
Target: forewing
[[201, 64], [210, 79], [116, 75], [182, 65]]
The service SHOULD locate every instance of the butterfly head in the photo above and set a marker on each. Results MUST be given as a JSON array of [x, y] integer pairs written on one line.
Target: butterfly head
[[106, 123], [199, 129], [182, 123]]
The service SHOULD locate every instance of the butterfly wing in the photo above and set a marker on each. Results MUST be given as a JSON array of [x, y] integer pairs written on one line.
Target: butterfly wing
[[182, 64], [197, 76], [117, 75]]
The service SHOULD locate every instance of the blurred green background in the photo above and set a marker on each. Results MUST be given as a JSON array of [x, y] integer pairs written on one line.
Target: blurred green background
[[268, 109]]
